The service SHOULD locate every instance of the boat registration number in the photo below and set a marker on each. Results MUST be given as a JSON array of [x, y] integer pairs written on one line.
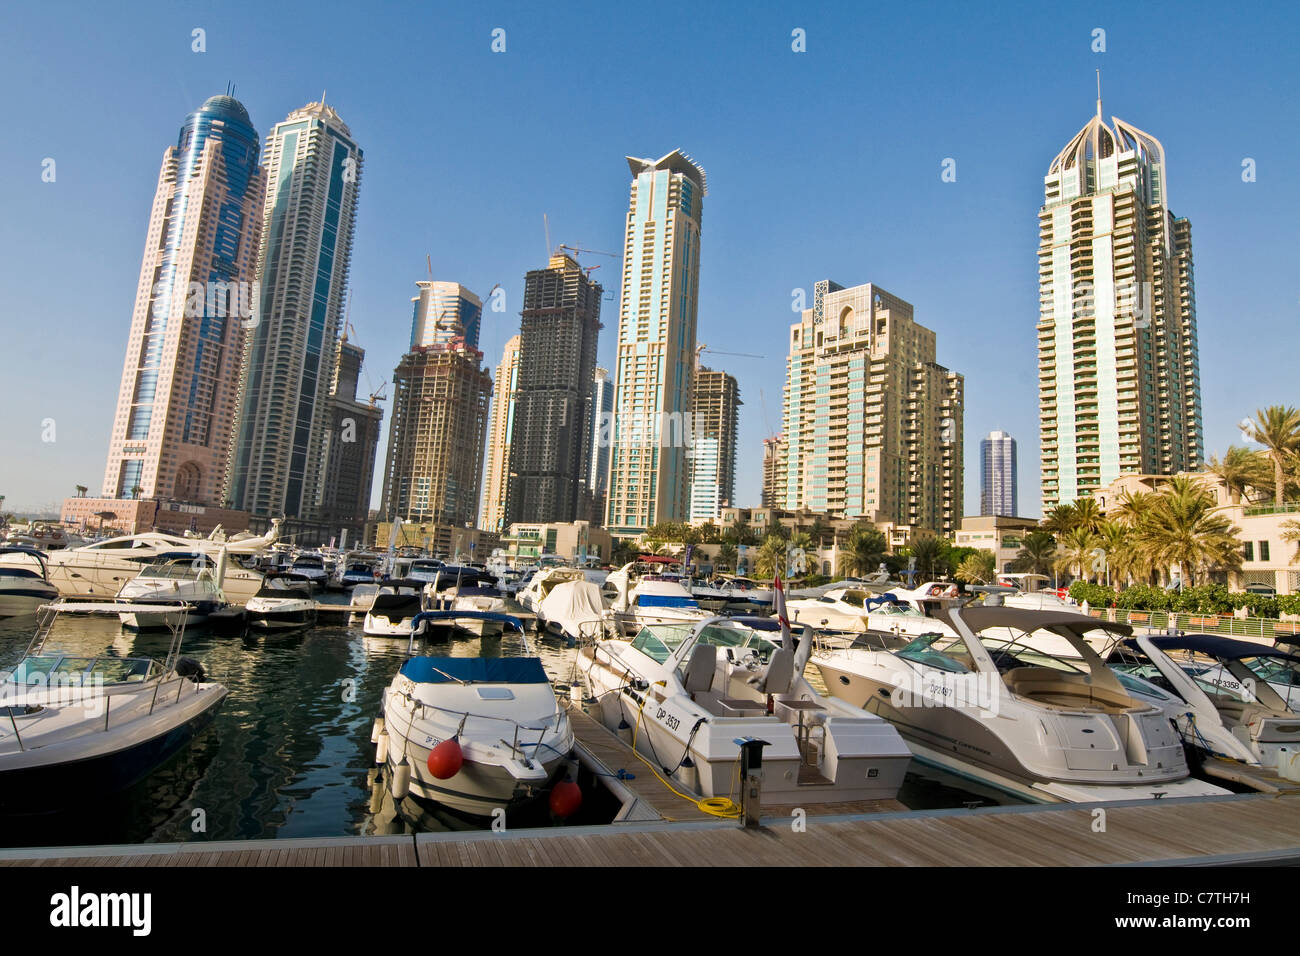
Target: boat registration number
[[668, 719]]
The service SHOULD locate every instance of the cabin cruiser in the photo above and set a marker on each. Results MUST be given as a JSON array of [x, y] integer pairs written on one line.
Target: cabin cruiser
[[312, 567], [74, 726], [693, 692], [744, 592], [356, 571], [841, 609], [285, 601], [987, 701], [424, 569], [574, 611], [24, 589], [532, 595], [363, 596], [473, 733], [394, 608], [99, 570], [186, 580], [477, 597], [655, 600], [1019, 593], [1231, 711], [706, 595]]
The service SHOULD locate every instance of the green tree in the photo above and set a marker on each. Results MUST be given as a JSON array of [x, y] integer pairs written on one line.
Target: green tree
[[710, 533], [1238, 469], [1059, 520], [866, 549], [1291, 532], [1075, 555], [978, 568], [930, 557], [1036, 555], [1186, 528], [1277, 428], [770, 557], [727, 556]]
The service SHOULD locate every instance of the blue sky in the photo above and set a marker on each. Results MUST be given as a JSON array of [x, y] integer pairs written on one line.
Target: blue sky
[[821, 164]]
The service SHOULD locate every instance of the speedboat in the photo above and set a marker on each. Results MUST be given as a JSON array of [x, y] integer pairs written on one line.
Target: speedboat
[[1232, 710], [185, 580], [363, 595], [100, 570], [841, 609], [474, 734], [745, 593], [989, 701], [706, 595], [357, 572], [574, 611], [24, 589], [312, 567], [654, 600], [72, 726], [692, 694], [424, 569], [543, 581], [394, 608], [285, 601]]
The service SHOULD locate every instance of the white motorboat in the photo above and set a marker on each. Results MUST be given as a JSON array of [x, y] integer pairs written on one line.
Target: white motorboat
[[72, 726], [987, 701], [358, 571], [841, 609], [424, 569], [474, 733], [100, 570], [1232, 710], [654, 599], [744, 593], [693, 693], [532, 595], [574, 611], [284, 602], [23, 589], [363, 595], [311, 566], [185, 580], [477, 598], [394, 608]]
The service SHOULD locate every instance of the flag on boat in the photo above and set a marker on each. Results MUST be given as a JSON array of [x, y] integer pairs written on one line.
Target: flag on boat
[[778, 606]]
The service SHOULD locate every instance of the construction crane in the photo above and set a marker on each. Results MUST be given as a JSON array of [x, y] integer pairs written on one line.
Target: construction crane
[[595, 252], [704, 348]]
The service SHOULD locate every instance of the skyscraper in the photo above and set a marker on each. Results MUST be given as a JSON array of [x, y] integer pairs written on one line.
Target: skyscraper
[[550, 440], [714, 419], [351, 444], [496, 480], [313, 170], [773, 494], [444, 311], [649, 479], [1118, 363], [171, 433], [436, 435], [602, 420], [998, 475], [872, 425]]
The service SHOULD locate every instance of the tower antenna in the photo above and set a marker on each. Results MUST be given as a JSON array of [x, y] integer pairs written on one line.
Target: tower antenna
[[429, 260], [547, 226], [1099, 94]]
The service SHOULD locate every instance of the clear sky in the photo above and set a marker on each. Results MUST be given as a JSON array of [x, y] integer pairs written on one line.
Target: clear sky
[[821, 164]]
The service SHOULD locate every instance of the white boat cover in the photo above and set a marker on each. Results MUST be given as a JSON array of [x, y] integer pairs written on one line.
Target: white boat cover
[[572, 604]]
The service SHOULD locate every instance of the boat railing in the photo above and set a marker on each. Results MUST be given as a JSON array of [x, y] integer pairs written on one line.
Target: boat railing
[[1225, 625], [555, 720]]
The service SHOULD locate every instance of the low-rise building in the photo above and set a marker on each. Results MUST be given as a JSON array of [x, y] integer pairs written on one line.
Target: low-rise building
[[1001, 534]]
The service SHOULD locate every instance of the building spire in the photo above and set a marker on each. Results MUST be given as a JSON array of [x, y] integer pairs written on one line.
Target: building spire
[[1099, 94]]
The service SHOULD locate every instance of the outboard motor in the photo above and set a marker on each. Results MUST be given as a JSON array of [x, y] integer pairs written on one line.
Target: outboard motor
[[189, 667]]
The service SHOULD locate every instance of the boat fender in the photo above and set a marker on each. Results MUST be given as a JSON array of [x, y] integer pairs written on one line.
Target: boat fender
[[445, 760], [377, 730], [381, 748], [566, 798], [402, 780], [189, 667]]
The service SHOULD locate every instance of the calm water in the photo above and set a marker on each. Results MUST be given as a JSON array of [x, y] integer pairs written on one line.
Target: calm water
[[289, 753]]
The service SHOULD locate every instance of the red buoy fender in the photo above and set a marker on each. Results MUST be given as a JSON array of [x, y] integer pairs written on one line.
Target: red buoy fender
[[566, 798], [445, 760]]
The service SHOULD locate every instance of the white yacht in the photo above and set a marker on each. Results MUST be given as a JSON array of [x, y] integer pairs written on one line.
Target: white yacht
[[394, 608], [1232, 709], [284, 602], [541, 583], [185, 580], [311, 565], [987, 701], [840, 609], [23, 589], [473, 733], [72, 727], [655, 600], [574, 611], [691, 694], [477, 597], [99, 570]]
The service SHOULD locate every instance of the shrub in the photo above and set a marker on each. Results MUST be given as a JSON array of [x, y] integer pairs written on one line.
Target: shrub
[[1097, 595]]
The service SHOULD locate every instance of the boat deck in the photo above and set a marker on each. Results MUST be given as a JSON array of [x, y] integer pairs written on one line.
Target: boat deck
[[1199, 831]]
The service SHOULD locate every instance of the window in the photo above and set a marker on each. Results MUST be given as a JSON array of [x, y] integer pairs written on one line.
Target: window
[[1248, 550], [1263, 551]]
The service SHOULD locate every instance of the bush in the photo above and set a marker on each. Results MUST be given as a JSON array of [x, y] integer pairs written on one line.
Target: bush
[[1144, 597], [1204, 599], [1097, 595]]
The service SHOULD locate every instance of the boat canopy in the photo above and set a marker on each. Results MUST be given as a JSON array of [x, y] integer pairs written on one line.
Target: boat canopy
[[475, 670], [1215, 646], [666, 600], [982, 617]]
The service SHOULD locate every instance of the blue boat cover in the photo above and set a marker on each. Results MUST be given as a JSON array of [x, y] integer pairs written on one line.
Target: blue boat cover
[[665, 600], [475, 670]]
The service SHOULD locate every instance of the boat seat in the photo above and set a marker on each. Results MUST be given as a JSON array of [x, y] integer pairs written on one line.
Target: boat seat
[[700, 669], [780, 673]]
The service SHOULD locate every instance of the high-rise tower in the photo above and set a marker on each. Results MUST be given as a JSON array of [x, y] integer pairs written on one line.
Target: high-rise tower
[[496, 478], [649, 477], [1118, 363], [171, 433], [998, 475], [313, 170], [715, 418]]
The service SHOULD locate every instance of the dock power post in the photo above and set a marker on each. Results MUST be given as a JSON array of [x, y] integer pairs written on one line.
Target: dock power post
[[751, 779]]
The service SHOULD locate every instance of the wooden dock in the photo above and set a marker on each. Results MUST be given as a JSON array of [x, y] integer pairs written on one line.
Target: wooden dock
[[1198, 831]]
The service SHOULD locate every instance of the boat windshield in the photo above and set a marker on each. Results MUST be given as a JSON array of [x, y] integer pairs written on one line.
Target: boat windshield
[[941, 651], [659, 642], [1274, 670], [732, 636], [175, 566], [64, 671]]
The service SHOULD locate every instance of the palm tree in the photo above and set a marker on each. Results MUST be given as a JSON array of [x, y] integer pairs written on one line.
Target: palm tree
[[1131, 507], [819, 531], [81, 491], [978, 568], [929, 554], [1037, 553], [1116, 540], [1278, 430], [1059, 520], [709, 533], [1238, 469], [727, 555], [866, 549], [1186, 528], [1087, 514], [1076, 553], [771, 556], [1291, 532]]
